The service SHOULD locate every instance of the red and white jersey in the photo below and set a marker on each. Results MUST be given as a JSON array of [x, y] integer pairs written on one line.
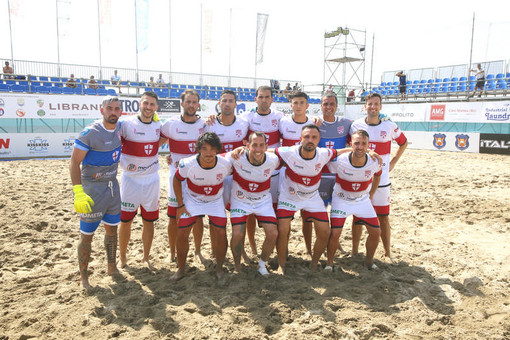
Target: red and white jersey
[[353, 183], [182, 137], [251, 183], [203, 184], [140, 146], [302, 176], [290, 130], [231, 136], [265, 123], [380, 139]]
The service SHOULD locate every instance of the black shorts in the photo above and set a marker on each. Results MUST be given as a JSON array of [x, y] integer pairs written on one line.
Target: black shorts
[[403, 88], [480, 83]]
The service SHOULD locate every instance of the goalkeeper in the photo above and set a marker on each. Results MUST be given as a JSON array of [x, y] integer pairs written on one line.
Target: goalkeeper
[[95, 186]]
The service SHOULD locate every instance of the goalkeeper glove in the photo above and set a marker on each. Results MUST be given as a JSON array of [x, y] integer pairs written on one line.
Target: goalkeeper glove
[[82, 201]]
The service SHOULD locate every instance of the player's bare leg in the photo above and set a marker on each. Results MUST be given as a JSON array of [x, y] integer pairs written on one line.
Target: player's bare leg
[[371, 244], [384, 223], [356, 237], [84, 249], [307, 229], [251, 225], [198, 234], [147, 237], [182, 246], [333, 245], [268, 246], [172, 237], [124, 237], [282, 243], [220, 247], [322, 232], [237, 243], [110, 244]]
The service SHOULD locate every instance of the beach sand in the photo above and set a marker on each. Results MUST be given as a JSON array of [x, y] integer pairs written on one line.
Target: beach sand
[[451, 241]]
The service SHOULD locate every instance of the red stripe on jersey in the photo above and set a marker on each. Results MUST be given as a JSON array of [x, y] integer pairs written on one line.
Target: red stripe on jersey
[[207, 190], [229, 146], [382, 148], [183, 147], [401, 139], [272, 137], [290, 142], [300, 179], [178, 175], [250, 185], [353, 186], [139, 149]]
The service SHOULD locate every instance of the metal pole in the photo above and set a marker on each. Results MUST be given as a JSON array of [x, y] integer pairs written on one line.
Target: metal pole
[[372, 61], [170, 40], [256, 49], [58, 42], [230, 51], [471, 51], [99, 39], [324, 67], [201, 46], [10, 32], [136, 42]]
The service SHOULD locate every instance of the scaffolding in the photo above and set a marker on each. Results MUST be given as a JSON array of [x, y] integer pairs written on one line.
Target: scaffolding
[[344, 61]]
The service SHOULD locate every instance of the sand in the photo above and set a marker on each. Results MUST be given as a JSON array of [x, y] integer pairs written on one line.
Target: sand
[[451, 240]]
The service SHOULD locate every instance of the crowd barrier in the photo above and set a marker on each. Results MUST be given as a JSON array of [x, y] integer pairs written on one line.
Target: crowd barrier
[[46, 125]]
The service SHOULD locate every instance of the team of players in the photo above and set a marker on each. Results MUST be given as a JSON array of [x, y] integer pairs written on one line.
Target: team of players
[[251, 179]]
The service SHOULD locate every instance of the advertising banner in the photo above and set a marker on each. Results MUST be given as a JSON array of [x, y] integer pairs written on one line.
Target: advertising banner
[[495, 143], [443, 141]]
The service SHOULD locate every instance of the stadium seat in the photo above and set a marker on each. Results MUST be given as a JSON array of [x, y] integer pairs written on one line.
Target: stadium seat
[[43, 78], [149, 89], [4, 88], [101, 92], [56, 81], [502, 86], [43, 89], [67, 90], [90, 92], [78, 90], [111, 92], [55, 90], [462, 88], [427, 90], [173, 93]]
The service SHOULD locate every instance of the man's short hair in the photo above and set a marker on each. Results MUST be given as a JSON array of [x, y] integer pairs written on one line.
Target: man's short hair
[[264, 88], [208, 138], [329, 94], [229, 92], [189, 92], [311, 127], [373, 95], [299, 94], [361, 132], [150, 94], [257, 134], [110, 99]]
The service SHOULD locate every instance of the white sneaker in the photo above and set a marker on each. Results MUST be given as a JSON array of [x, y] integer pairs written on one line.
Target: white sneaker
[[328, 268], [263, 270]]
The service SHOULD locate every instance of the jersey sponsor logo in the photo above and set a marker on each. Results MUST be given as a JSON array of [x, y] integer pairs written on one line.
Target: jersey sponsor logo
[[191, 147], [148, 149], [330, 144], [228, 147], [240, 195], [97, 175], [462, 141], [340, 130], [219, 177], [306, 180], [208, 190], [292, 191], [439, 140], [253, 186], [131, 167], [356, 186], [141, 133]]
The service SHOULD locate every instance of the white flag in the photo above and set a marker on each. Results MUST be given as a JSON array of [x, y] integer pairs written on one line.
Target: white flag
[[207, 31], [261, 36], [142, 23]]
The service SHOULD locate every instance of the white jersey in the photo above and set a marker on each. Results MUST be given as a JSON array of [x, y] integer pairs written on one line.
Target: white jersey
[[251, 183], [302, 176], [380, 139], [203, 185], [182, 137], [231, 136], [140, 145], [353, 183], [290, 130], [267, 123]]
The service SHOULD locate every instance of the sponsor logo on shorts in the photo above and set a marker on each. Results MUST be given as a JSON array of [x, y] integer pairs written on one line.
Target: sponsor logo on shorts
[[292, 191], [127, 205], [439, 140], [131, 167], [239, 211], [92, 215], [462, 142], [287, 204], [339, 212]]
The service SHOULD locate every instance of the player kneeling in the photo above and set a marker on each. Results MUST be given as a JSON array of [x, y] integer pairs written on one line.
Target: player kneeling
[[357, 179]]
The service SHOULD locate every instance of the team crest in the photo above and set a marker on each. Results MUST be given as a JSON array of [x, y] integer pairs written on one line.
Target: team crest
[[318, 167], [266, 172], [148, 149], [292, 191], [368, 173], [219, 177], [462, 142], [340, 130], [191, 147], [207, 190], [356, 186], [115, 155], [371, 146], [439, 140], [238, 133], [274, 122], [200, 131], [330, 144], [306, 180], [253, 186], [228, 147], [383, 134]]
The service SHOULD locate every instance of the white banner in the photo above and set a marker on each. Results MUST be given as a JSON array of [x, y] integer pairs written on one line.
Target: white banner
[[261, 36], [443, 141]]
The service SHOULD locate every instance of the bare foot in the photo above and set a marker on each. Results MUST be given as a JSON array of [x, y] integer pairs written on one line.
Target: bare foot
[[220, 273], [281, 270], [246, 258], [148, 264], [238, 268], [122, 261], [178, 275], [389, 259], [113, 271], [199, 258], [314, 267], [85, 285]]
